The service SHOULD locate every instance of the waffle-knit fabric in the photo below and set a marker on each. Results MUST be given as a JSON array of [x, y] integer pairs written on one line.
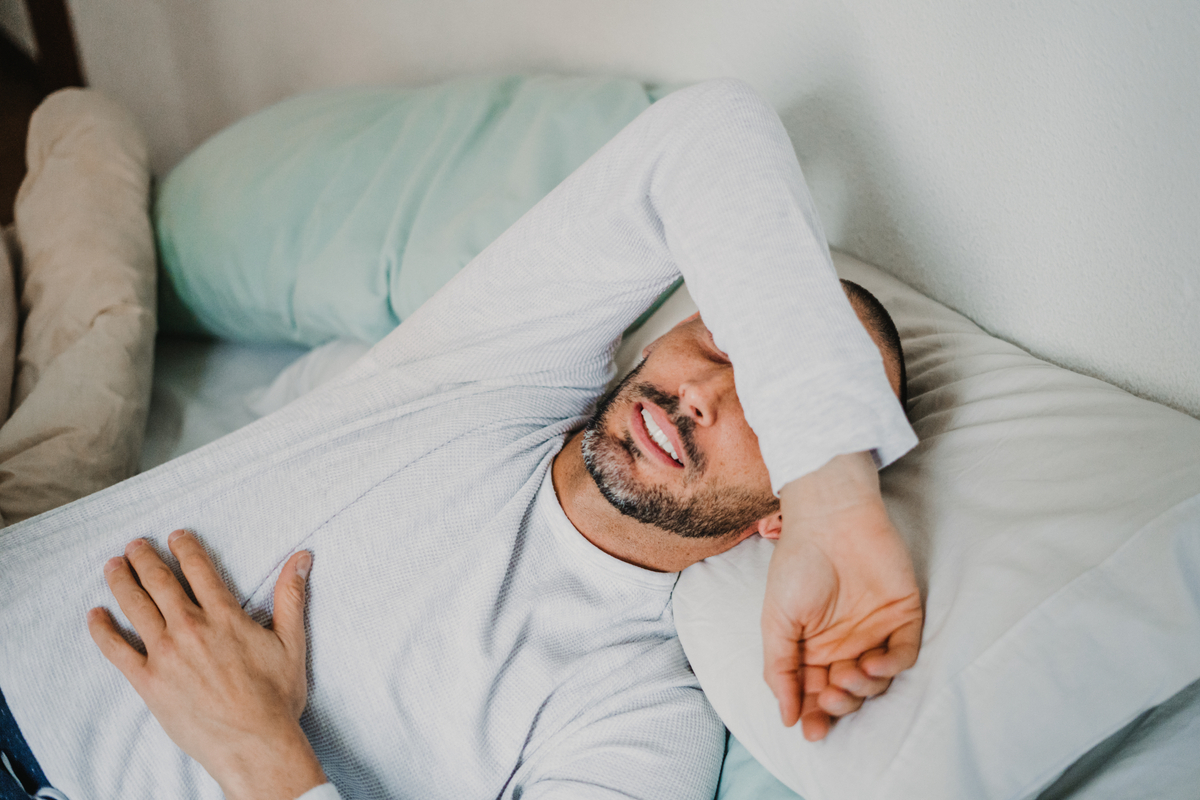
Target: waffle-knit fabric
[[465, 640]]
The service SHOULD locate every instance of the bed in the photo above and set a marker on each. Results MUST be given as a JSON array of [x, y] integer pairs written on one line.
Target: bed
[[1026, 469], [1140, 746], [964, 413]]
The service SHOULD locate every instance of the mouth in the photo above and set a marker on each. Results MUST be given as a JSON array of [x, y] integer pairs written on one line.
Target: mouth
[[656, 435]]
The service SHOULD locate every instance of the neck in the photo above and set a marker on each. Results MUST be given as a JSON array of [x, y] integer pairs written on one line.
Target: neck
[[622, 537]]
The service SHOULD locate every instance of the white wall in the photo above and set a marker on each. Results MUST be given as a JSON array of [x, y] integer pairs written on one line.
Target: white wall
[[1034, 165]]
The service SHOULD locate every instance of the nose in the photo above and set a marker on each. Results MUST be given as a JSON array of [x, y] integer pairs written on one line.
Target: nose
[[702, 395]]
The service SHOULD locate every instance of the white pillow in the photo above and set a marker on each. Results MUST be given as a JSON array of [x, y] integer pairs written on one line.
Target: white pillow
[[1055, 526]]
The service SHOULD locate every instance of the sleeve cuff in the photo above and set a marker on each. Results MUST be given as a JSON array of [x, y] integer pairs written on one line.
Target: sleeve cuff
[[326, 791], [857, 412]]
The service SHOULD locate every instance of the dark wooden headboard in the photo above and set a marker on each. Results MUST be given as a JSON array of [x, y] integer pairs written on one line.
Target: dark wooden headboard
[[58, 58]]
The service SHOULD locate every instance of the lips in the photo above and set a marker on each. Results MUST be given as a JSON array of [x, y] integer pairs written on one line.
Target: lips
[[656, 435]]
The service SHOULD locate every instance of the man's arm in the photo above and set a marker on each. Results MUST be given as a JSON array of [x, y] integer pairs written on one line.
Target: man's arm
[[226, 690], [842, 612], [706, 183]]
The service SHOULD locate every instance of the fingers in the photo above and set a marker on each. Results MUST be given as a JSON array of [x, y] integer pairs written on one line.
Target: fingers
[[135, 603], [838, 703], [816, 725], [901, 652], [113, 646], [288, 618], [814, 721], [849, 676], [781, 671], [158, 580], [851, 682], [198, 568], [849, 686]]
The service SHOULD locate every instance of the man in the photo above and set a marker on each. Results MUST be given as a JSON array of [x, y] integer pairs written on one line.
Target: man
[[489, 605]]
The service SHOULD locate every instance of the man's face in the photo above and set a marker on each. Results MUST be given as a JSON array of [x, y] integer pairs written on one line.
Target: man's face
[[671, 447]]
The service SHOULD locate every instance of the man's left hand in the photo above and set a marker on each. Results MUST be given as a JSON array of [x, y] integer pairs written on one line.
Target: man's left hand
[[226, 690], [842, 614]]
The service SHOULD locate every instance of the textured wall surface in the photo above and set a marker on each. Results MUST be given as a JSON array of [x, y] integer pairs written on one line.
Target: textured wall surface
[[1035, 166]]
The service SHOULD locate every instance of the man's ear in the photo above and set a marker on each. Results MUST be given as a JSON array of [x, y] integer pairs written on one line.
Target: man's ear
[[769, 527]]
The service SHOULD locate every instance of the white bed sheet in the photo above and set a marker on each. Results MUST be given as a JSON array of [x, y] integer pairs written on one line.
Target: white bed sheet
[[205, 389]]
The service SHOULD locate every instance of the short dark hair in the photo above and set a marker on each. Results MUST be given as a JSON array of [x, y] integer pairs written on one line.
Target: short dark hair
[[879, 321]]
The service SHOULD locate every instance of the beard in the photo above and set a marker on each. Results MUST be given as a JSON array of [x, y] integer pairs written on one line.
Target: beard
[[708, 512]]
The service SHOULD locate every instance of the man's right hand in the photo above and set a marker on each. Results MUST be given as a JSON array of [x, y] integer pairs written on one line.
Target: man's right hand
[[226, 690], [842, 614]]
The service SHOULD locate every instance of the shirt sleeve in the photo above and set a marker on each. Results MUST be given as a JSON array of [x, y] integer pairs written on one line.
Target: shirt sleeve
[[326, 791], [705, 184], [648, 745]]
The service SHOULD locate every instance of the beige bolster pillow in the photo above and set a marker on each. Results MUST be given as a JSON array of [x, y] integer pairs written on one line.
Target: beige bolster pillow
[[8, 324], [82, 386]]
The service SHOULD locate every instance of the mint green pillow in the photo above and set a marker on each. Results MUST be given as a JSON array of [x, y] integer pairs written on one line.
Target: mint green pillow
[[743, 778], [337, 214]]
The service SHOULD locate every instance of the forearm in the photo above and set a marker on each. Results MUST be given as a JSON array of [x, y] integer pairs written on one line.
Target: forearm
[[747, 238], [705, 184]]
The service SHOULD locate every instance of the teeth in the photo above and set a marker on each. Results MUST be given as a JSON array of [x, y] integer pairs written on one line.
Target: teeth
[[658, 436]]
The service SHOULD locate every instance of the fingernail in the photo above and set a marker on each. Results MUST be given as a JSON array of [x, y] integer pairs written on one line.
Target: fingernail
[[175, 535], [112, 564], [303, 565], [136, 543]]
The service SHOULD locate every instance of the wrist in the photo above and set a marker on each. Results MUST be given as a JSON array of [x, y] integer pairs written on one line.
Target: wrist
[[844, 482], [282, 767]]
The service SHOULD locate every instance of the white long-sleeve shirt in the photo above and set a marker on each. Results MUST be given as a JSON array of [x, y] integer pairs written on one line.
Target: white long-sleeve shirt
[[465, 639]]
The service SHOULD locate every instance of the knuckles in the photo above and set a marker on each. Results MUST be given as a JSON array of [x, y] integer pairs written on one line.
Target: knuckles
[[165, 651], [189, 624], [138, 601], [158, 573], [193, 560]]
